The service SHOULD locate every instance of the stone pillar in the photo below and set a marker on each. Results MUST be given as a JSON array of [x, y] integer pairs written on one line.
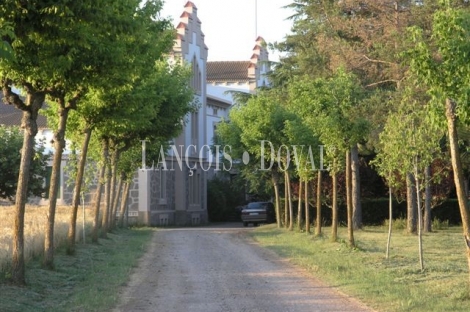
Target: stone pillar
[[144, 197]]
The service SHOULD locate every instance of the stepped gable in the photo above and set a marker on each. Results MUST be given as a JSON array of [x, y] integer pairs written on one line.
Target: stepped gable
[[260, 55], [189, 32]]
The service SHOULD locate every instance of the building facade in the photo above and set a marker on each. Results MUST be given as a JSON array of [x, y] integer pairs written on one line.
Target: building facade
[[175, 193]]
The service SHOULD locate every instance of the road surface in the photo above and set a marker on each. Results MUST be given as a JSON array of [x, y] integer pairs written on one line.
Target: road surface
[[217, 269]]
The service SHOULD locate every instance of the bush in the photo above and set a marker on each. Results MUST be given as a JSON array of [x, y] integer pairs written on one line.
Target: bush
[[11, 142], [440, 225], [397, 224], [223, 198], [375, 211]]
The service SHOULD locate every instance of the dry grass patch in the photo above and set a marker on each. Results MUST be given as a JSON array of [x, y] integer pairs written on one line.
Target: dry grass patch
[[35, 223], [90, 280]]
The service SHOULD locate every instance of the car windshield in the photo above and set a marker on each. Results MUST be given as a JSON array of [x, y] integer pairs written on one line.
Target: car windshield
[[256, 205]]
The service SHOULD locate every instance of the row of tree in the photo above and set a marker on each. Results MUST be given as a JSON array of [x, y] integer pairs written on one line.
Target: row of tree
[[384, 78], [103, 70]]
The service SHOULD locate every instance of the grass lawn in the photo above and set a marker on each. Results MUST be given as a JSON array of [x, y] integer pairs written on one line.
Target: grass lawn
[[396, 284], [88, 281]]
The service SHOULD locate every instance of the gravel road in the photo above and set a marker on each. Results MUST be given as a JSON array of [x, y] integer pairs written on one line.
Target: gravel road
[[218, 269]]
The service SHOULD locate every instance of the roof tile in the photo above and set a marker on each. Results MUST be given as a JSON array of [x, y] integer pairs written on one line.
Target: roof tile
[[228, 71]]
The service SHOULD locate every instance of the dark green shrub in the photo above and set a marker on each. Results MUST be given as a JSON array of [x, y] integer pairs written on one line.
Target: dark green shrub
[[11, 142], [223, 198]]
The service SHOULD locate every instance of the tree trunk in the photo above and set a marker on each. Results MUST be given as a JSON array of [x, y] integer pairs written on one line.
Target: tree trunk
[[113, 189], [34, 103], [420, 216], [334, 219], [390, 221], [124, 199], [458, 173], [291, 209], [275, 180], [318, 220], [59, 145], [465, 183], [107, 191], [99, 189], [427, 226], [299, 208], [18, 268], [356, 189], [76, 193], [307, 209], [349, 204], [286, 202], [116, 202], [411, 204]]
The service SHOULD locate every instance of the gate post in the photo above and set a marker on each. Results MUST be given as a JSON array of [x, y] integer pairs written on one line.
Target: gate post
[[144, 197]]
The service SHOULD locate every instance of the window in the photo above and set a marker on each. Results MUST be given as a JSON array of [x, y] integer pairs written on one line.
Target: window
[[196, 78], [214, 111], [194, 192], [194, 128]]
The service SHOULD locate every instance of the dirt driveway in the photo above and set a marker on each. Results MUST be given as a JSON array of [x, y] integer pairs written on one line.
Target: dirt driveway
[[218, 269]]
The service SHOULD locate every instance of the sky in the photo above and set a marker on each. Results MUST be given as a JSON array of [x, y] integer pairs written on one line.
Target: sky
[[230, 26]]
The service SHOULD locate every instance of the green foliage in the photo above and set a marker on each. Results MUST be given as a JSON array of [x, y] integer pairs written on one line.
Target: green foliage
[[137, 95], [262, 118], [329, 107], [153, 110], [11, 141], [217, 208], [305, 156], [440, 60], [228, 134], [223, 198], [6, 51], [410, 138]]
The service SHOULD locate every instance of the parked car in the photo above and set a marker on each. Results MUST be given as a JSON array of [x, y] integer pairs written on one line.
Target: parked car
[[258, 212]]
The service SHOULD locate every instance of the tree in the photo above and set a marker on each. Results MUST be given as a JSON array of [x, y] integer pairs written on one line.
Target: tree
[[30, 107], [410, 142], [365, 37], [328, 106], [441, 64], [257, 128], [306, 155], [78, 174]]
